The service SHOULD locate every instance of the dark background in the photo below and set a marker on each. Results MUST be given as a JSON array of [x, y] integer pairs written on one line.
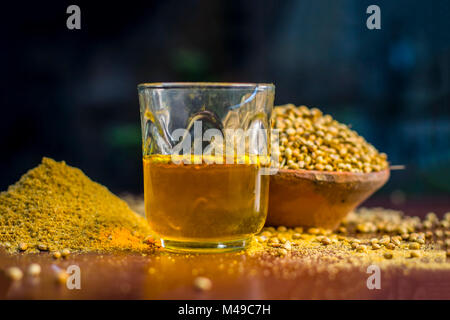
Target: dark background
[[71, 94]]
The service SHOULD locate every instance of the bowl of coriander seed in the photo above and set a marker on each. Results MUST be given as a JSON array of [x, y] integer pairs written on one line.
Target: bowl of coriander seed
[[326, 169]]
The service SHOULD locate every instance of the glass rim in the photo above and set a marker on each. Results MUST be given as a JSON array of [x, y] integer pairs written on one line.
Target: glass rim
[[211, 85]]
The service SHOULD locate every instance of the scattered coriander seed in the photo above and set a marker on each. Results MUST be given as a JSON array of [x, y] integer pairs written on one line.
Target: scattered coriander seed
[[390, 246], [282, 239], [342, 230], [42, 247], [14, 273], [361, 248], [61, 277], [296, 236], [266, 234], [23, 246], [375, 246], [388, 255], [202, 284], [56, 255], [414, 254], [414, 246], [274, 240], [287, 245], [34, 270], [313, 231], [65, 253]]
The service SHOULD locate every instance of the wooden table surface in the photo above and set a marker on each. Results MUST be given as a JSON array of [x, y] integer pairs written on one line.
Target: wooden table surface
[[234, 276]]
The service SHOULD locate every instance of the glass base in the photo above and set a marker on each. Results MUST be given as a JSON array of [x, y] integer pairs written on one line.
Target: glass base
[[205, 247]]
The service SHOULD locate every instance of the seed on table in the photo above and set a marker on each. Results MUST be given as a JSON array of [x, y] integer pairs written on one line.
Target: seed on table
[[414, 254], [296, 236], [313, 231], [287, 245], [363, 228], [202, 284], [65, 253], [355, 245], [390, 246], [413, 237], [396, 241], [14, 273], [342, 230], [414, 246], [282, 252], [61, 277], [282, 239], [388, 255], [56, 254], [361, 248], [375, 246], [385, 240], [42, 247], [34, 270], [274, 240], [281, 229], [23, 246], [298, 229], [325, 241]]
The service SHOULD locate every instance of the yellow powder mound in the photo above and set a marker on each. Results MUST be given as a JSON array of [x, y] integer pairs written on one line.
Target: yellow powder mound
[[55, 206]]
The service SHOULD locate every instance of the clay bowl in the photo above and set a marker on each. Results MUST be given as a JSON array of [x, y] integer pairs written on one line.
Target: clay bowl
[[318, 199]]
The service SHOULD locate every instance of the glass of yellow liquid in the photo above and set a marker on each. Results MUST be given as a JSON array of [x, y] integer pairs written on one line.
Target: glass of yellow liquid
[[206, 157]]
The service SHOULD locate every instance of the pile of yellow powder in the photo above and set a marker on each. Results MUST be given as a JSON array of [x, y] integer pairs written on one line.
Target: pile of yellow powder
[[55, 206]]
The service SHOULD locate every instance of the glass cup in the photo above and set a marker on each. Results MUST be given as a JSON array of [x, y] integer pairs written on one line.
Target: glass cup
[[206, 152]]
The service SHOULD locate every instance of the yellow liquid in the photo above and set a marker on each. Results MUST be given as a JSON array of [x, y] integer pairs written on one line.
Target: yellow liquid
[[204, 202]]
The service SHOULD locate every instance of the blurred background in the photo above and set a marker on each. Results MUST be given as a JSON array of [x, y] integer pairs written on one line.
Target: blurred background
[[71, 94]]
